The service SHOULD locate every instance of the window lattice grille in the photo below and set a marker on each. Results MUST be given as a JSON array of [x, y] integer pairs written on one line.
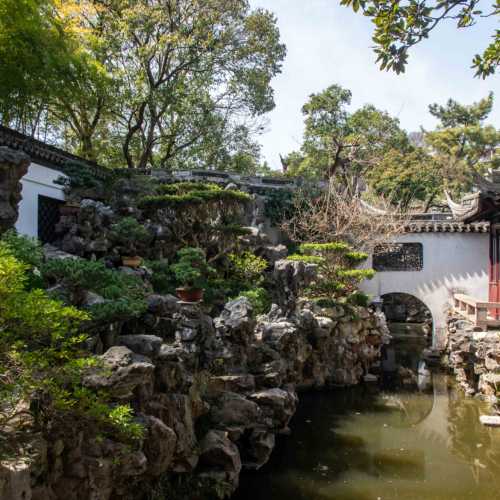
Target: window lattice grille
[[398, 257]]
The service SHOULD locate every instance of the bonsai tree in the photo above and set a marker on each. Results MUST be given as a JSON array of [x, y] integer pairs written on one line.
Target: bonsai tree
[[191, 272], [200, 215], [338, 278], [123, 294], [130, 236]]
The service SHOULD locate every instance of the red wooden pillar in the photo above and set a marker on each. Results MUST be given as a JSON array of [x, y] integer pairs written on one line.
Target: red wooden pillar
[[494, 289]]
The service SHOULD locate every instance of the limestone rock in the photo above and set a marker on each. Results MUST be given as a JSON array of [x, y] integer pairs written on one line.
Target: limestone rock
[[234, 410], [124, 372], [236, 320], [147, 345], [216, 450], [159, 446], [13, 166], [15, 480]]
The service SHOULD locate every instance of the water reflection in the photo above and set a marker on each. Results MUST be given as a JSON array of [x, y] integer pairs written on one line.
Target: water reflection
[[365, 444]]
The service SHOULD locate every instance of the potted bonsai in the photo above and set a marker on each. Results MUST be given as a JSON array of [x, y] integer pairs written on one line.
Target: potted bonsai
[[192, 272], [130, 236]]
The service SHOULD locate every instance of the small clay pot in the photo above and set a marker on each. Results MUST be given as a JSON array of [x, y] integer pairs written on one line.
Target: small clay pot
[[135, 261], [187, 294], [69, 209]]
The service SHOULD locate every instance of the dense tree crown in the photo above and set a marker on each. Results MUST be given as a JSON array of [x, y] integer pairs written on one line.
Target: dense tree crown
[[341, 144], [368, 149], [141, 83], [401, 24]]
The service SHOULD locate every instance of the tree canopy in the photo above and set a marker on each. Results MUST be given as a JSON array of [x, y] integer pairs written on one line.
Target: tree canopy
[[143, 83], [402, 24], [343, 144]]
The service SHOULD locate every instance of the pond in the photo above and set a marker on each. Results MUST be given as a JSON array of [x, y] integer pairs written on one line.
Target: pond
[[376, 443]]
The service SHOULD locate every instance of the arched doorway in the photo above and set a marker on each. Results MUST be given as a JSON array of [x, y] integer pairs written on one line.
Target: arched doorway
[[411, 324], [407, 316]]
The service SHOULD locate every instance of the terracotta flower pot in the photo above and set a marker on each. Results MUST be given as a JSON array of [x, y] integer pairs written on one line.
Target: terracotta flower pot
[[187, 294], [132, 261], [69, 209]]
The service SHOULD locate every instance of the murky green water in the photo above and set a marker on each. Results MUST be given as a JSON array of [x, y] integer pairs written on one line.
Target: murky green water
[[366, 444]]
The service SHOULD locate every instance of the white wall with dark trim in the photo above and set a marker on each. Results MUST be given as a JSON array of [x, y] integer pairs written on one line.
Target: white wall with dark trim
[[38, 181], [452, 262]]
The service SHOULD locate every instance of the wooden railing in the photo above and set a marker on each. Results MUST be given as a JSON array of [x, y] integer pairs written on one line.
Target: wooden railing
[[476, 311]]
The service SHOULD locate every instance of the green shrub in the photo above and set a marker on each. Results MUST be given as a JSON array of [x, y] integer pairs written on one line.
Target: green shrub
[[192, 270], [259, 298], [42, 358], [130, 236], [247, 268], [337, 277], [307, 259], [162, 278], [124, 293], [279, 205], [28, 251], [358, 299]]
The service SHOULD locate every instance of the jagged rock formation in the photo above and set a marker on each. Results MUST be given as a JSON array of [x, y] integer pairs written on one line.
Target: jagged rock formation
[[13, 166], [474, 357], [212, 394]]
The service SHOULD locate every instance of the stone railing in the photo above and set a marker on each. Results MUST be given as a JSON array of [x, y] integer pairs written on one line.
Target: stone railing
[[476, 311]]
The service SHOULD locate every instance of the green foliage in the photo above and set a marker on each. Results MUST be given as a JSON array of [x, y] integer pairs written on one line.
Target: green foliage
[[447, 159], [29, 252], [401, 25], [130, 236], [192, 269], [336, 277], [340, 145], [406, 178], [42, 358], [278, 206], [307, 259], [162, 279], [200, 215], [358, 299], [259, 298], [124, 294], [186, 194], [247, 268]]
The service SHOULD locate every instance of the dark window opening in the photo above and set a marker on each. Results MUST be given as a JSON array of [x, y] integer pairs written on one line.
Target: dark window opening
[[48, 217], [398, 257]]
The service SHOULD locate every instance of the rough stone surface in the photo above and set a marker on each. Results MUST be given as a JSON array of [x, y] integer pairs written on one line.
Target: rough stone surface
[[211, 393], [13, 166]]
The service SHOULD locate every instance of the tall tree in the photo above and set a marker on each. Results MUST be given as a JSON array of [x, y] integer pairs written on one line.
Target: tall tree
[[462, 143], [343, 145], [445, 159], [402, 24], [182, 63]]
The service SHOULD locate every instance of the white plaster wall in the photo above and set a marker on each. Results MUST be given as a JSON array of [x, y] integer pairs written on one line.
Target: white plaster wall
[[452, 262], [39, 180]]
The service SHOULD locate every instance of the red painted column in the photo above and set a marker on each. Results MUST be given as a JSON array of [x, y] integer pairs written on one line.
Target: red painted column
[[494, 288]]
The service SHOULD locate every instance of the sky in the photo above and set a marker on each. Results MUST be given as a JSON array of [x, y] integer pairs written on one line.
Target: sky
[[330, 44]]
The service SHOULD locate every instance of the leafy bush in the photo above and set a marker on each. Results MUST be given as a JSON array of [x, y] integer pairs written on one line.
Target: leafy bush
[[200, 215], [192, 270], [247, 268], [259, 298], [130, 236], [162, 278], [124, 293], [28, 251], [279, 205], [42, 358], [336, 276]]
